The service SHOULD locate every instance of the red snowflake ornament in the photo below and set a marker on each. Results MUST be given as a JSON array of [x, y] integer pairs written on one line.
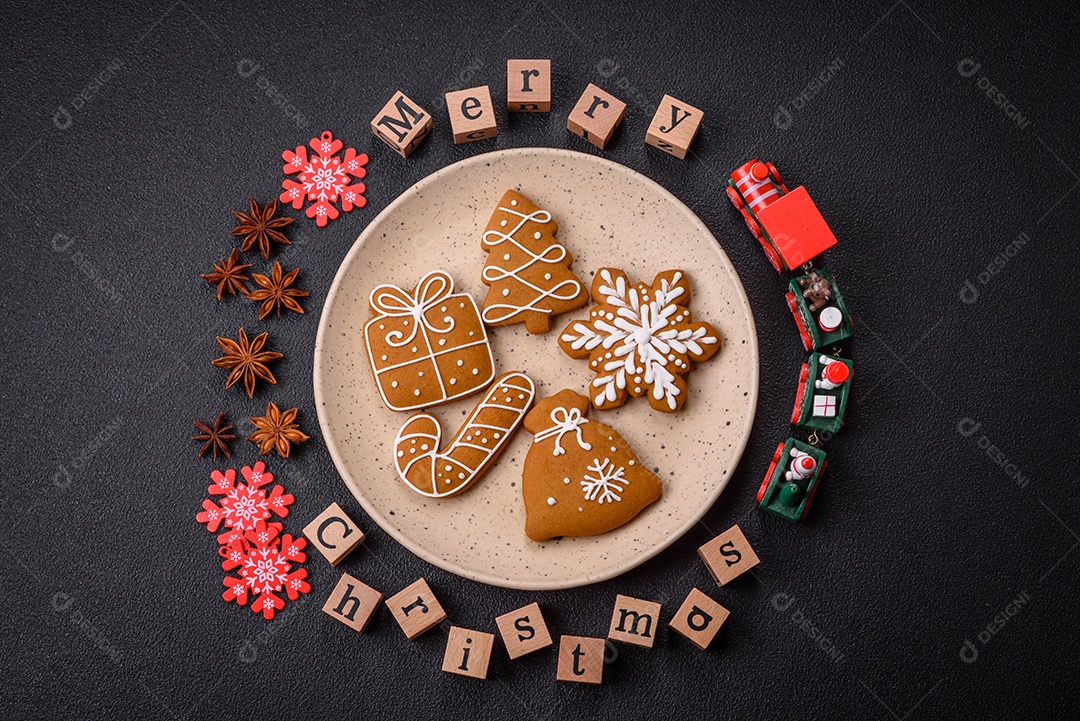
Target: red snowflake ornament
[[243, 506], [324, 179], [265, 569]]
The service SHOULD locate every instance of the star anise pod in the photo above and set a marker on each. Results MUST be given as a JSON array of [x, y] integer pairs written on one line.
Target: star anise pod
[[228, 275], [276, 291], [246, 360], [276, 431], [260, 227], [215, 438]]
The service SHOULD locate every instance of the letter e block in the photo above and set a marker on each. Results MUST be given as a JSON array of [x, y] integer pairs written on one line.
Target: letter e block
[[634, 621], [523, 631], [401, 124], [581, 659], [472, 116], [334, 534], [699, 619], [468, 653], [528, 86], [596, 116], [728, 555], [353, 603], [416, 609], [674, 126]]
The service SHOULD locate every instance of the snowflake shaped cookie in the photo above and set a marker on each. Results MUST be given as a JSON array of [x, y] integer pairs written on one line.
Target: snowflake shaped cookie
[[640, 339], [324, 179]]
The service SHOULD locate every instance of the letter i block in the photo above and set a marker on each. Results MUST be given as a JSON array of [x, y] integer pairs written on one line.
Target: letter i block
[[596, 116], [416, 609], [353, 603], [468, 653], [472, 116], [334, 534], [674, 126], [581, 659], [523, 631], [634, 621], [528, 86], [401, 124], [699, 619], [728, 555]]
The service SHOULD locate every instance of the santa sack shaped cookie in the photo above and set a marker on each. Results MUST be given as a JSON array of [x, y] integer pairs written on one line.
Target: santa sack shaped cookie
[[580, 477]]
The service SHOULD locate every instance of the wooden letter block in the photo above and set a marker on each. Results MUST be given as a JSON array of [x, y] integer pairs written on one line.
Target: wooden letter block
[[523, 631], [699, 618], [674, 126], [581, 659], [416, 609], [401, 124], [352, 602], [472, 116], [334, 534], [528, 86], [596, 116], [728, 555], [468, 653], [634, 621]]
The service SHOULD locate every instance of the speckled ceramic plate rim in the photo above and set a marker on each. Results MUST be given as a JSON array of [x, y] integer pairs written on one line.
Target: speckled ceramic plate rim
[[373, 511]]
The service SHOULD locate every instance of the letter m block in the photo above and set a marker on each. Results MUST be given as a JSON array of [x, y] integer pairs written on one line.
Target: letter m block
[[402, 124]]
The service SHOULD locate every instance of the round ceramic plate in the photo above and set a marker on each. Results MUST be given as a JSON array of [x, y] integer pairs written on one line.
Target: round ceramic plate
[[608, 215]]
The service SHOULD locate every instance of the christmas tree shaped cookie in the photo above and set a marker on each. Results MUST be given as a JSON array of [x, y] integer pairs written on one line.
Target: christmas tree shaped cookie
[[580, 477], [527, 269]]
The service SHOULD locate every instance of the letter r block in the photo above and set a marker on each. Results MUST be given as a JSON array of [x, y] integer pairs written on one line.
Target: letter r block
[[472, 116], [528, 86], [673, 127], [596, 116], [416, 609], [401, 124], [728, 555], [634, 621], [699, 619], [334, 534]]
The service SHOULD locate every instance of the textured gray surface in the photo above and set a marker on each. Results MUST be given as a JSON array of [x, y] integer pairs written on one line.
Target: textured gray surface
[[919, 539]]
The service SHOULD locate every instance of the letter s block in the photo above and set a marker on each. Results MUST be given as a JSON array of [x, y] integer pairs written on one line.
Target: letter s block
[[728, 555], [401, 124], [523, 631]]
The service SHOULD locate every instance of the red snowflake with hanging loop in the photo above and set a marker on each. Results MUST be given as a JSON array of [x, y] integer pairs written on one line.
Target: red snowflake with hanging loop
[[324, 179], [265, 566], [242, 506]]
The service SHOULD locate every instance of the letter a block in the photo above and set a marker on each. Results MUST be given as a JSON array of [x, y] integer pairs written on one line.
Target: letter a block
[[728, 555], [581, 659], [416, 609], [674, 126], [468, 653], [401, 124], [472, 116], [334, 534], [699, 619], [523, 631], [353, 603], [528, 86], [634, 621], [596, 116]]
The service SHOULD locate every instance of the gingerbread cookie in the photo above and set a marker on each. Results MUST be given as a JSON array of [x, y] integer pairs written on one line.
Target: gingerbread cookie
[[428, 346], [580, 477], [483, 436], [640, 339], [527, 269]]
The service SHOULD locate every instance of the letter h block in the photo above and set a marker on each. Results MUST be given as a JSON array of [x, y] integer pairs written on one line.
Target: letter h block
[[401, 124]]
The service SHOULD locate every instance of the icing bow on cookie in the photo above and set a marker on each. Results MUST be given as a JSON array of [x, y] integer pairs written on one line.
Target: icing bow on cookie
[[432, 289], [566, 421]]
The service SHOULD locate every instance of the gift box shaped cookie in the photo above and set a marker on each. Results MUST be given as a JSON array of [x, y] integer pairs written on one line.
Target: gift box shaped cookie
[[427, 346]]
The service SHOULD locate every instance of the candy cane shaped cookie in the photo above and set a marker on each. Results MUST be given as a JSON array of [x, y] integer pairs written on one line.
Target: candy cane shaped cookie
[[485, 433]]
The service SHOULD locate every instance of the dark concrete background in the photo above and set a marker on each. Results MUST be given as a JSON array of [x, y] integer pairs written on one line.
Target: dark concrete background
[[117, 195]]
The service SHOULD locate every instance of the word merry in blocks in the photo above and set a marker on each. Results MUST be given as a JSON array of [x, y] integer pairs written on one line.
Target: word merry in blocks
[[416, 609], [699, 619], [596, 116], [468, 652], [674, 126], [472, 116], [402, 124], [528, 86], [334, 534], [523, 631], [353, 603], [728, 555]]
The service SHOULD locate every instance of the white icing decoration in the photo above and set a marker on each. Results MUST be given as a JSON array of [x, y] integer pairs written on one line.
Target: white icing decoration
[[393, 384], [605, 486], [554, 254], [551, 501], [416, 392], [566, 421]]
